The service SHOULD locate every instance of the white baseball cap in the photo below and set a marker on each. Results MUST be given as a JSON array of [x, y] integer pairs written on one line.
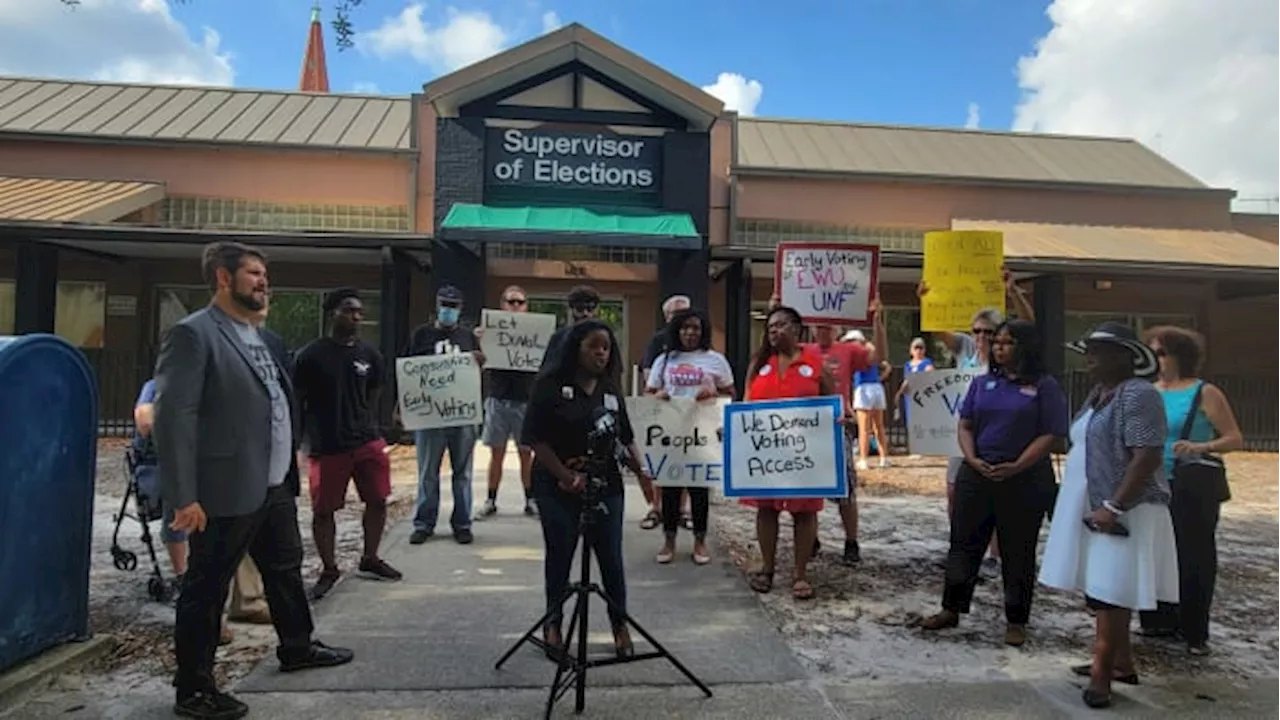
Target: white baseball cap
[[854, 335]]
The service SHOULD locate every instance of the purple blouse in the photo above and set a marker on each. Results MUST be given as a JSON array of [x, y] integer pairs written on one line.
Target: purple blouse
[[1007, 415]]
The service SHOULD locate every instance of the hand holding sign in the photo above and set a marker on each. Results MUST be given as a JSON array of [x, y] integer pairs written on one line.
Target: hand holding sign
[[963, 273], [827, 283], [680, 440], [438, 391], [935, 399], [785, 448]]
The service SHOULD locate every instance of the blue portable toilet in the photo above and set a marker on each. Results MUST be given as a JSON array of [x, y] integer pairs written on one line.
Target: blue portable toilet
[[48, 455]]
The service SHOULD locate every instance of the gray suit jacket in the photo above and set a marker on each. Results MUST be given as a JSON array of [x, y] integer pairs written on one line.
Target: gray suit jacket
[[213, 417]]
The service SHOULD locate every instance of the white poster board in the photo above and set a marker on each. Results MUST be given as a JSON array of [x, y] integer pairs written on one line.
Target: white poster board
[[680, 440], [438, 391], [934, 405], [827, 283], [514, 341], [785, 449]]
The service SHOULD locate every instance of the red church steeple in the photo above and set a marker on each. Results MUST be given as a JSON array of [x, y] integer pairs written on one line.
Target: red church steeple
[[315, 76]]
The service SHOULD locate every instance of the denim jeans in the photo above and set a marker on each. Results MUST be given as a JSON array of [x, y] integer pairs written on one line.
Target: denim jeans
[[431, 444], [559, 515]]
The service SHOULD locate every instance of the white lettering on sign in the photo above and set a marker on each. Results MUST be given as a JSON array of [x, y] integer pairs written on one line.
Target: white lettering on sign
[[515, 141], [827, 283], [515, 341], [437, 391], [680, 440], [787, 448], [575, 159], [935, 407]]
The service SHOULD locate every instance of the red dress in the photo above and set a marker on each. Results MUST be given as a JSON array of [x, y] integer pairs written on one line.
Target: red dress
[[801, 380]]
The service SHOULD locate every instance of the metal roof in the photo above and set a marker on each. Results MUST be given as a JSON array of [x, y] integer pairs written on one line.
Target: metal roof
[[801, 147], [80, 201], [1143, 245], [119, 111]]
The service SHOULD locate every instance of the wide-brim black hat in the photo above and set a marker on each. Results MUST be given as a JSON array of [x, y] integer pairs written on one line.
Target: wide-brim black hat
[[1145, 362]]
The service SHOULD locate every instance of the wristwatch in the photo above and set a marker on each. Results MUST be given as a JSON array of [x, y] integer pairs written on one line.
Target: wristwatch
[[1112, 508]]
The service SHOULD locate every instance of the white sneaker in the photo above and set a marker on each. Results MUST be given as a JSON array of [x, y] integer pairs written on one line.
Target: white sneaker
[[862, 465], [884, 463], [489, 509]]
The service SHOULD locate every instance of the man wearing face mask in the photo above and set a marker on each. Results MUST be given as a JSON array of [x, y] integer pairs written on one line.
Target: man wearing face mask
[[442, 337], [583, 302]]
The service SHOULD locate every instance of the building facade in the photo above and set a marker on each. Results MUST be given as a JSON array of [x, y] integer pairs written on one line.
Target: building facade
[[569, 160]]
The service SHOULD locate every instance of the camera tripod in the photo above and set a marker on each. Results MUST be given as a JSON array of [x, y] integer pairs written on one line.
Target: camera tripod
[[571, 666]]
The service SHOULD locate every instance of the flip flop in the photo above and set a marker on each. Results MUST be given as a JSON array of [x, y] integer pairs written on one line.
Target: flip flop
[[651, 520], [802, 590], [760, 581]]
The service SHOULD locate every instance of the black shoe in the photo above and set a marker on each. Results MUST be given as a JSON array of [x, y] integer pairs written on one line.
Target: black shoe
[[378, 567], [328, 578], [1086, 670], [463, 536], [210, 705], [852, 555], [419, 536], [316, 656]]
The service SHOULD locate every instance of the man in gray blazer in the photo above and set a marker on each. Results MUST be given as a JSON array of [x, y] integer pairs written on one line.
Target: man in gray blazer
[[226, 437]]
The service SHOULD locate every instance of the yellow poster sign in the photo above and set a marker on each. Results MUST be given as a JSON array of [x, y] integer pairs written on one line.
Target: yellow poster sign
[[962, 272]]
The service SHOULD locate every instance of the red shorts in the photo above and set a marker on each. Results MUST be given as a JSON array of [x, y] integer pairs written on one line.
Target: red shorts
[[368, 465]]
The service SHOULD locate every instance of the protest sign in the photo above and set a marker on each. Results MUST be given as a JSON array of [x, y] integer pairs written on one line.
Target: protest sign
[[827, 283], [515, 341], [680, 440], [437, 391], [963, 271], [784, 448], [935, 399]]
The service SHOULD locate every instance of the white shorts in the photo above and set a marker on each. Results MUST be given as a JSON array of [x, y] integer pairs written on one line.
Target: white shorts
[[869, 397]]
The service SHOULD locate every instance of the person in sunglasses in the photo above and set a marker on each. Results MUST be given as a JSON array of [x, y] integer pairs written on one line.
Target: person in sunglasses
[[583, 302], [972, 351], [507, 396]]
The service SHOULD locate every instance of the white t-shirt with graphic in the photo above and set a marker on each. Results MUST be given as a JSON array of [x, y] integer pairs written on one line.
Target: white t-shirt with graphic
[[684, 374]]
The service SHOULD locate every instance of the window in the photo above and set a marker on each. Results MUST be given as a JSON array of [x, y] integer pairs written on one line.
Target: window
[[297, 315], [80, 315], [612, 312]]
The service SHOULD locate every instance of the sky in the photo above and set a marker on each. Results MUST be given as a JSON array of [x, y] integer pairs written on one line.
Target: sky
[[1196, 80]]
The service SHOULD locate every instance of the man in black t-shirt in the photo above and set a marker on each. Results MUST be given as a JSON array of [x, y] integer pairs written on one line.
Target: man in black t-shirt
[[442, 337], [504, 405], [337, 380], [583, 302]]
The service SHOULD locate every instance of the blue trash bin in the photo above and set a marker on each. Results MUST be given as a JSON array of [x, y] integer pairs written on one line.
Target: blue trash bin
[[48, 454]]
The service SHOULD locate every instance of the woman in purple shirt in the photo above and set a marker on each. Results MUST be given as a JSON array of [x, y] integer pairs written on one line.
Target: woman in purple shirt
[[1009, 420]]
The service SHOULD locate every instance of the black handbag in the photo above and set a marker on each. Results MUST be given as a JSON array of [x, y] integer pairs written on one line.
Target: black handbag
[[1206, 472]]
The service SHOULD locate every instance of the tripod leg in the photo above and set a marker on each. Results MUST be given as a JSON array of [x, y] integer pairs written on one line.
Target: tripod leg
[[662, 650], [527, 637]]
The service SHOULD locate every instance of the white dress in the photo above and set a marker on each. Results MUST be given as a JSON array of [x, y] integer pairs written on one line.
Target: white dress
[[1130, 572]]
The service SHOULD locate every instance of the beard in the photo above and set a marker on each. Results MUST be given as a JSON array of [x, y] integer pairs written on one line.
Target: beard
[[247, 301]]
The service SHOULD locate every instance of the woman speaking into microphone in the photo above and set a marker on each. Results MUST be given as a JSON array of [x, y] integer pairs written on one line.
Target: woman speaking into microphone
[[570, 397]]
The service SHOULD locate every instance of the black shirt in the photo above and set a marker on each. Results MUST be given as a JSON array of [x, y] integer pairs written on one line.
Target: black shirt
[[657, 345], [553, 344], [564, 423], [432, 340], [334, 383], [511, 385]]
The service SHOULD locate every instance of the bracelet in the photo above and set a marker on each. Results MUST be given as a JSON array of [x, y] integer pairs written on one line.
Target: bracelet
[[1112, 508]]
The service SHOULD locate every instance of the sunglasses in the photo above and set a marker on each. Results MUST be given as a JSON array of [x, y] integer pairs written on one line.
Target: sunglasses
[[514, 301], [988, 332], [589, 307]]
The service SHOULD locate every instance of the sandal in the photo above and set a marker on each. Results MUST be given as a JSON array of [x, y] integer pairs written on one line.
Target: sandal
[[1086, 670], [941, 621], [802, 590], [1095, 699], [761, 581], [651, 520]]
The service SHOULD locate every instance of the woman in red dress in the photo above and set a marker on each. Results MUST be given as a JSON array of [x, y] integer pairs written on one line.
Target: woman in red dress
[[783, 369]]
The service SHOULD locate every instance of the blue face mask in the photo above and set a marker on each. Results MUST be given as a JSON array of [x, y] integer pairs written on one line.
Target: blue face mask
[[448, 315]]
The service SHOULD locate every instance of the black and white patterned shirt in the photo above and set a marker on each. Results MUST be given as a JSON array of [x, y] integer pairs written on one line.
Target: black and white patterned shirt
[[1133, 418]]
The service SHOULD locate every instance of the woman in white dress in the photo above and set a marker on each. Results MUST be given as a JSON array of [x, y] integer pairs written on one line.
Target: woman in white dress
[[1121, 554]]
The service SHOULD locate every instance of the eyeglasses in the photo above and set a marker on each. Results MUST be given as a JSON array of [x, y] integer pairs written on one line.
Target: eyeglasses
[[585, 307], [514, 301], [988, 332]]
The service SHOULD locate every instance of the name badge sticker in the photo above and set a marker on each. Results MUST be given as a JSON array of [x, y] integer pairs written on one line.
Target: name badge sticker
[[1029, 391], [611, 402], [766, 370], [566, 392], [805, 371]]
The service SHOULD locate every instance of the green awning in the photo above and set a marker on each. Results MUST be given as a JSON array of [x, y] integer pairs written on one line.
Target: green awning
[[545, 224]]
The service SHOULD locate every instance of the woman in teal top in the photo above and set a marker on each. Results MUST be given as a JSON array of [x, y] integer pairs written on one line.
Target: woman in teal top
[[1214, 430]]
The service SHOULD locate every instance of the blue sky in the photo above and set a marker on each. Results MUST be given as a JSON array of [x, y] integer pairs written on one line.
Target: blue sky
[[892, 61]]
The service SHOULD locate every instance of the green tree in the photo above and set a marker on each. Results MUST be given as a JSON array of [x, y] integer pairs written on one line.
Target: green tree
[[343, 29]]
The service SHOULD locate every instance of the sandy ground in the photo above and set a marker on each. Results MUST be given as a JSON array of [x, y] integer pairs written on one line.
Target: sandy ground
[[861, 626]]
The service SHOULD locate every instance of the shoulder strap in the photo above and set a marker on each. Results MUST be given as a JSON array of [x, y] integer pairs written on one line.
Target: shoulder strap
[[1191, 413]]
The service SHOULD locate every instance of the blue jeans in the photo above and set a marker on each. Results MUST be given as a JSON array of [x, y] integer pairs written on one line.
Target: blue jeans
[[431, 444], [559, 515]]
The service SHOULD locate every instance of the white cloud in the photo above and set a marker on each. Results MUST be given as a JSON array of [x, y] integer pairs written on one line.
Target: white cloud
[[119, 40], [460, 39], [973, 120], [1195, 80], [365, 88], [550, 22], [736, 92]]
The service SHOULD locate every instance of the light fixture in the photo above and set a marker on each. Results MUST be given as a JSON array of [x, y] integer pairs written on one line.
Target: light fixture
[[1101, 284]]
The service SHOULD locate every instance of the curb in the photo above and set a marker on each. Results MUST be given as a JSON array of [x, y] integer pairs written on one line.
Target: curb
[[35, 673]]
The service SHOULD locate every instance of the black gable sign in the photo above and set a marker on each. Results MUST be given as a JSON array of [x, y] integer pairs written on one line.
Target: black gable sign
[[561, 160]]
